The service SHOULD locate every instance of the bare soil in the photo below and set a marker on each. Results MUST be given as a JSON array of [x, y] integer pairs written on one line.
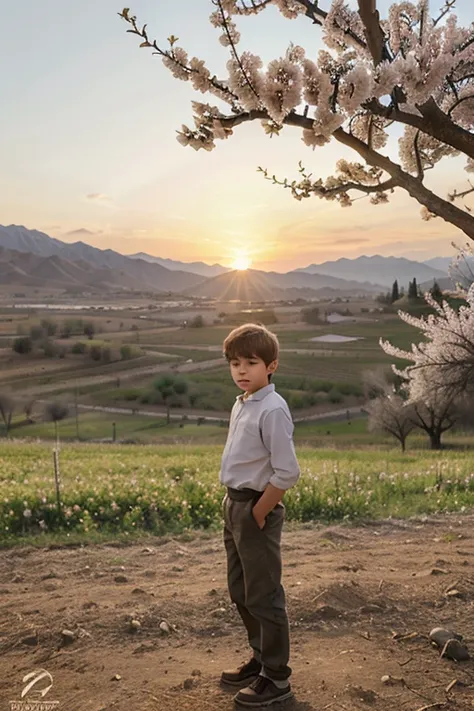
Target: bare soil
[[362, 602]]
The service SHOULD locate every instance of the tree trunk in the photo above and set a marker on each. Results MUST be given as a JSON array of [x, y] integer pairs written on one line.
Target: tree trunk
[[403, 441], [435, 440]]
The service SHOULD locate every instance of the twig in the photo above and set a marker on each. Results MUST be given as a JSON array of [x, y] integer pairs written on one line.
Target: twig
[[381, 584], [319, 595], [403, 664], [432, 706]]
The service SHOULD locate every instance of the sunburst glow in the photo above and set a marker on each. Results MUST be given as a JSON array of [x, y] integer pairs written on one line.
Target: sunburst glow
[[241, 263]]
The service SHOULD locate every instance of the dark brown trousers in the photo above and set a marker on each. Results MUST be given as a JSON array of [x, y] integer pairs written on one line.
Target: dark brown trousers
[[254, 579]]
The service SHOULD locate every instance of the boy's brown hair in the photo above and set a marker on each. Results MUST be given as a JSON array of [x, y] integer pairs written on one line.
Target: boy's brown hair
[[249, 340]]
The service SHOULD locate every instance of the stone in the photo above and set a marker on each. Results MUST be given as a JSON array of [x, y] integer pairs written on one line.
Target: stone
[[455, 650], [121, 579], [30, 640], [68, 636], [441, 635], [164, 627], [135, 625]]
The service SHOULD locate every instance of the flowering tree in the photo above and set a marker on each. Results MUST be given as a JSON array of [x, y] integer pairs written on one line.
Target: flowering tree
[[444, 362], [409, 70], [391, 413]]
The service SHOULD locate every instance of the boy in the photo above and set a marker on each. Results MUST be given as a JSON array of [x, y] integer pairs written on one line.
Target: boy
[[258, 465]]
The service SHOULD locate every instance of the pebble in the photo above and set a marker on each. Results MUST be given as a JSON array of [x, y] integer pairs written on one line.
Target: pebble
[[31, 640], [121, 579], [135, 625], [68, 636], [164, 627]]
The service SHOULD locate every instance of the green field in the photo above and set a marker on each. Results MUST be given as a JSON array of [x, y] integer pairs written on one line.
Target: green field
[[125, 489]]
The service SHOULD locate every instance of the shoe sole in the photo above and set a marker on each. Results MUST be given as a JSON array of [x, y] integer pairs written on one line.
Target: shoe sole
[[261, 704], [246, 681]]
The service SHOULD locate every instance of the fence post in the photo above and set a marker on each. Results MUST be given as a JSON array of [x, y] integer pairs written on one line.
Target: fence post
[[57, 480]]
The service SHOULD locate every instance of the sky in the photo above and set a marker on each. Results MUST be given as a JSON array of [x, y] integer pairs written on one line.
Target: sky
[[88, 146]]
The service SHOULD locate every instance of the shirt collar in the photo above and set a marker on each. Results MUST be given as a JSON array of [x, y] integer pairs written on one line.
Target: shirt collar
[[259, 394]]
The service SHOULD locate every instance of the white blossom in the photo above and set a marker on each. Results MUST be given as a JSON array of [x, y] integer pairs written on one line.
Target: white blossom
[[444, 362]]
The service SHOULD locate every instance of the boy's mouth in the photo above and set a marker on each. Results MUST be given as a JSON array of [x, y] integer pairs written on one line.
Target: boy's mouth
[[243, 382]]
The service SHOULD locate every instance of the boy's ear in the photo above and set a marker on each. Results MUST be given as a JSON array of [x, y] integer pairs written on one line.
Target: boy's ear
[[273, 366]]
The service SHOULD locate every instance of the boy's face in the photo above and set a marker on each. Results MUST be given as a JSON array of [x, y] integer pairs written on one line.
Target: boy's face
[[251, 374]]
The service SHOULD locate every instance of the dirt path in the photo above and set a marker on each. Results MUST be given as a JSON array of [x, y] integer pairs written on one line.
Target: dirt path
[[126, 375], [349, 590]]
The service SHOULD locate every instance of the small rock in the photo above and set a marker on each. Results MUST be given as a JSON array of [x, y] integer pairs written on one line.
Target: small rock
[[135, 625], [456, 650], [67, 636], [437, 571], [212, 592], [148, 551], [188, 684], [31, 640], [441, 635], [177, 569], [149, 573], [121, 579], [50, 575], [116, 677], [453, 593], [164, 627], [196, 672], [386, 679], [139, 591]]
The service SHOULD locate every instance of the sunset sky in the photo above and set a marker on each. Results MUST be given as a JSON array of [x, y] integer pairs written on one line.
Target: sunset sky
[[88, 146]]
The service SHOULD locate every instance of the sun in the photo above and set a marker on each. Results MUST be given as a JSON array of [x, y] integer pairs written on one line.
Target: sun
[[241, 263]]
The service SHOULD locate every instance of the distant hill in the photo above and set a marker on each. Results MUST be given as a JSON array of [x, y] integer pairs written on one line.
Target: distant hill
[[255, 285], [205, 270], [27, 269], [110, 269], [441, 263], [384, 270]]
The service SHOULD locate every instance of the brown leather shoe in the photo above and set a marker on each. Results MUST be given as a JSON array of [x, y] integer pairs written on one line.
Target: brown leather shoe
[[262, 692], [248, 671]]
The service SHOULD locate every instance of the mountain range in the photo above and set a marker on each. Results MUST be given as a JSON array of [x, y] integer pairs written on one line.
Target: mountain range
[[33, 258]]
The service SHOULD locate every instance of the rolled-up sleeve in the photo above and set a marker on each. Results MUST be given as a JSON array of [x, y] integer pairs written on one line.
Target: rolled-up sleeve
[[277, 435]]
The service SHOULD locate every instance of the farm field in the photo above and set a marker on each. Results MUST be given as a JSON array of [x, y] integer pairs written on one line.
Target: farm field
[[125, 489]]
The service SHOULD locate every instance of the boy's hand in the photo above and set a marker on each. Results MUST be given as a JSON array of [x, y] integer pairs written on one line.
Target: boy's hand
[[258, 518]]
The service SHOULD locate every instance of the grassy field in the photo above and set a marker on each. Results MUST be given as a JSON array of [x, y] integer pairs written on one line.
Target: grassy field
[[124, 489]]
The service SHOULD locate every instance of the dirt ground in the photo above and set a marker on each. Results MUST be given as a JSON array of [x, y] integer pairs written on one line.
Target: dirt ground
[[362, 602]]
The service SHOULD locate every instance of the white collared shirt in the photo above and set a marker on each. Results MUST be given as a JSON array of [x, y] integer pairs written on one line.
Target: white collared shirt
[[259, 448]]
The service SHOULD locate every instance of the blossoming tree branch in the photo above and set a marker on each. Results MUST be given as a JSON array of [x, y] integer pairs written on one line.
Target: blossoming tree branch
[[411, 69]]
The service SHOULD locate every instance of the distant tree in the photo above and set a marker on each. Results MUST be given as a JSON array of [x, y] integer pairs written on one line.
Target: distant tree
[[89, 329], [197, 322], [436, 415], [7, 410], [384, 298], [413, 290], [49, 327], [390, 413], [55, 412], [95, 353], [311, 315], [28, 405], [126, 351], [436, 292], [23, 345], [395, 292], [37, 333], [169, 386]]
